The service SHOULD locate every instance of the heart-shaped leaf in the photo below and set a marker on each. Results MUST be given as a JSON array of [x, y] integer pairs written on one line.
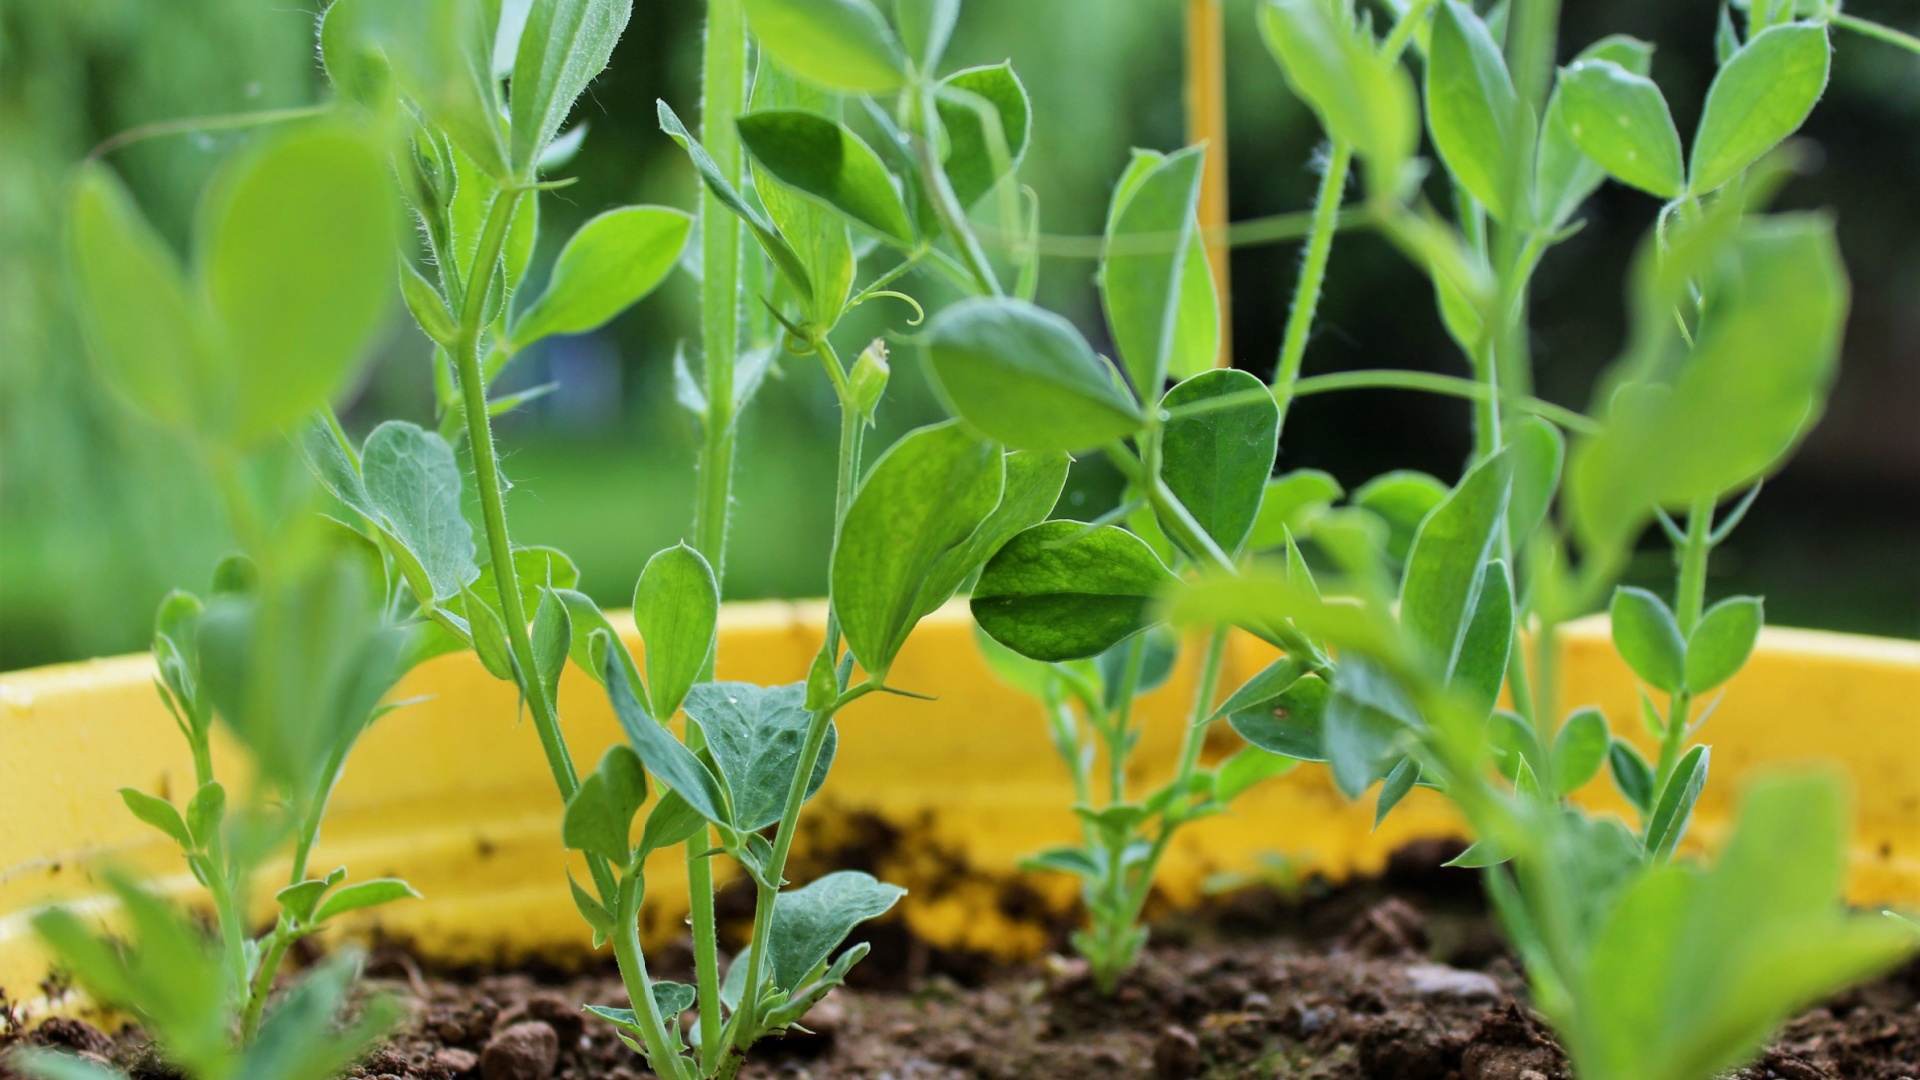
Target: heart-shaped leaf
[[1063, 590], [1218, 450]]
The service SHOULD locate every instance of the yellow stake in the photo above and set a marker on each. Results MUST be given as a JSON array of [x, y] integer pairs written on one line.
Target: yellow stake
[[1207, 122]]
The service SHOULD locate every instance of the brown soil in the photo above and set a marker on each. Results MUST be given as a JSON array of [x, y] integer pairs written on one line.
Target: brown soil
[[1401, 979]]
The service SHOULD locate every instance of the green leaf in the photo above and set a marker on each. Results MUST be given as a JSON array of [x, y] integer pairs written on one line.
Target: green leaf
[[1759, 98], [841, 44], [1394, 788], [158, 813], [810, 922], [1290, 502], [205, 812], [1217, 462], [534, 569], [1063, 590], [439, 53], [1365, 725], [1246, 769], [1578, 751], [1631, 775], [1140, 283], [1452, 548], [1289, 723], [297, 254], [923, 498], [820, 235], [1680, 423], [676, 606], [784, 257], [426, 305], [1402, 498], [364, 894], [1675, 806], [1620, 120], [1266, 685], [612, 261], [1538, 451], [588, 649], [671, 821], [1565, 176], [1025, 377], [1362, 97], [147, 332], [299, 900], [1482, 129], [1064, 860], [599, 817], [978, 156], [552, 640], [665, 756], [307, 1037], [1479, 669], [564, 44], [489, 630], [1722, 642], [925, 27], [827, 162], [1648, 639], [412, 485], [1034, 481], [756, 734]]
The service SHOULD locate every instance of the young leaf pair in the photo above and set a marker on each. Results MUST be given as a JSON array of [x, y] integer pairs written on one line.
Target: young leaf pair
[[293, 651]]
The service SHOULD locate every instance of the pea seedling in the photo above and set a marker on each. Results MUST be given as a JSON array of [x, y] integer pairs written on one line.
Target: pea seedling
[[908, 530], [294, 650], [1734, 335]]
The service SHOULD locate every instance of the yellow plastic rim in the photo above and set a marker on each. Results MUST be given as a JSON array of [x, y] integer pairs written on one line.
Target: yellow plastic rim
[[453, 794]]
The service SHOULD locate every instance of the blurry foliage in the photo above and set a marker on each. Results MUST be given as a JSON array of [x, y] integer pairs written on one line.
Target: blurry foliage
[[90, 537]]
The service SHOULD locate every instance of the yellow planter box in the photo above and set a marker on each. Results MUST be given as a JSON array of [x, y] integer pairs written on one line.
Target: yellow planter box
[[453, 794]]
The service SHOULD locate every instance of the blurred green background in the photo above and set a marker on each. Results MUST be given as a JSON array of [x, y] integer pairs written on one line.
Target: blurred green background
[[100, 514]]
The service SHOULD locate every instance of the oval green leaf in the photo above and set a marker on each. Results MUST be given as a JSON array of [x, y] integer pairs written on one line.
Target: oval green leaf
[[1758, 99], [612, 261], [925, 496], [1721, 643], [1149, 236], [1620, 120], [1218, 450], [1064, 590], [1025, 377], [298, 260], [987, 117], [840, 44], [1648, 639], [1482, 129], [826, 161], [676, 606]]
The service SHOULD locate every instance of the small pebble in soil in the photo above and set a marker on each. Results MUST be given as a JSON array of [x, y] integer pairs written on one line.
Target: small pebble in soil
[[1176, 1056], [1450, 983], [525, 1051]]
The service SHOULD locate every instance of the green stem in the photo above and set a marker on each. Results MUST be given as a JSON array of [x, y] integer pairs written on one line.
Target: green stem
[[744, 1026], [1191, 743], [1122, 718], [1874, 30], [723, 95], [1530, 49], [262, 985], [190, 124], [1433, 383], [1689, 598], [946, 205], [1173, 515], [1691, 591], [1313, 275], [1404, 29], [661, 1056]]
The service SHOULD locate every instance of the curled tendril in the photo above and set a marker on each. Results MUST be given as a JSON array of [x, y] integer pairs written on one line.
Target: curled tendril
[[919, 313]]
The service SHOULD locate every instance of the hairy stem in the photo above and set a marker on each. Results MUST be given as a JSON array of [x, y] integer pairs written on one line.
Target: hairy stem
[[723, 95], [1191, 742], [1313, 275], [1874, 30], [661, 1056]]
